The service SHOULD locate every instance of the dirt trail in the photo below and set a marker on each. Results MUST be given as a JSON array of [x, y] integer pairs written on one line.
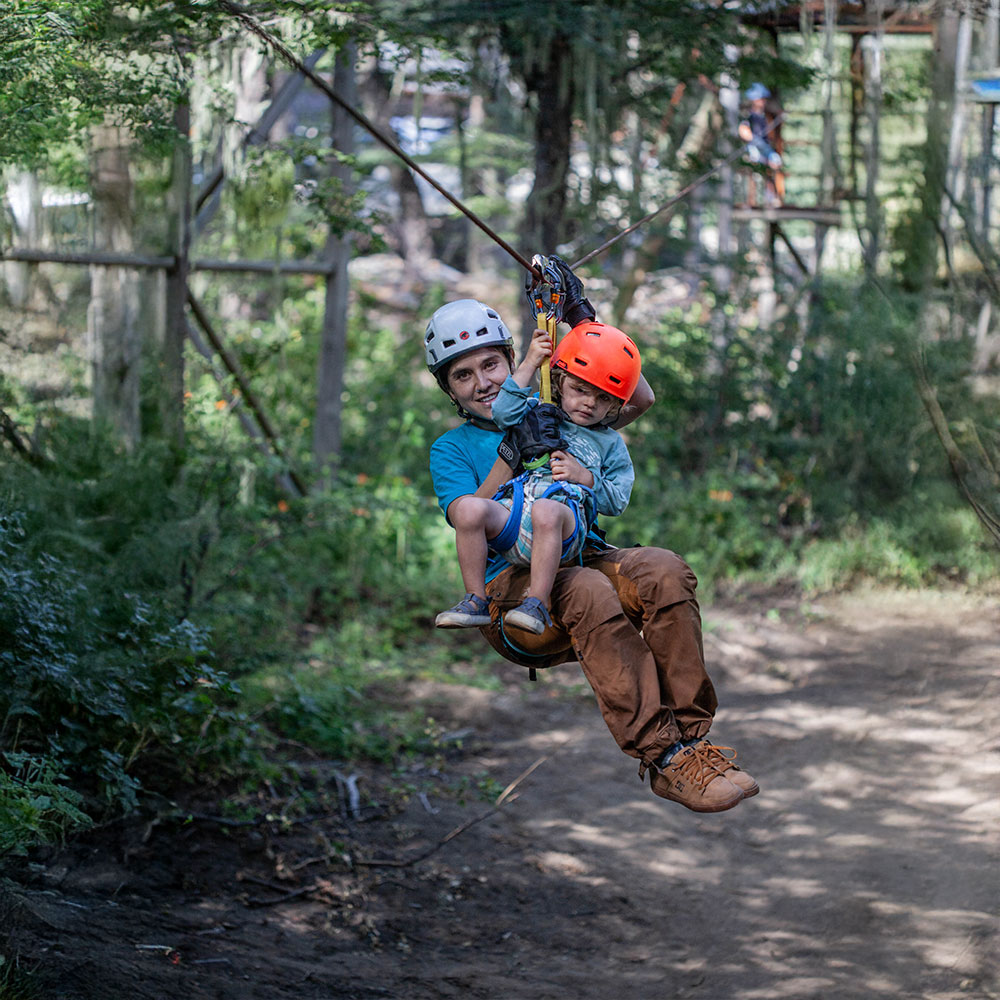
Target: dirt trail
[[868, 867]]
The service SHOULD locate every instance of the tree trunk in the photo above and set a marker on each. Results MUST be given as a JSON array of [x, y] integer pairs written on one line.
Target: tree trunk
[[552, 83], [113, 336], [24, 195], [333, 342], [171, 349], [922, 253], [872, 52], [954, 179]]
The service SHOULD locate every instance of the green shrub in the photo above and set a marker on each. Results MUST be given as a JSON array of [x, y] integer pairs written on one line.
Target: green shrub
[[37, 806], [97, 677]]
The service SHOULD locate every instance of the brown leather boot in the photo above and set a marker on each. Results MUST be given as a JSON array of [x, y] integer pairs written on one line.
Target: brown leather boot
[[724, 760], [692, 779]]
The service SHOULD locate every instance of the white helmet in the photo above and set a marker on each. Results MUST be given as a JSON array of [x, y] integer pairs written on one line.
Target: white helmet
[[460, 327]]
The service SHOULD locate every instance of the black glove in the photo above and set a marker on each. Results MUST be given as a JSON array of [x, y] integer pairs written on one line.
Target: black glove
[[509, 450], [575, 307], [538, 432]]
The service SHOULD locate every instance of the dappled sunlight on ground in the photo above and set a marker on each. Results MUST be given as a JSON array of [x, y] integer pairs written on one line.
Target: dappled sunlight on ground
[[867, 867]]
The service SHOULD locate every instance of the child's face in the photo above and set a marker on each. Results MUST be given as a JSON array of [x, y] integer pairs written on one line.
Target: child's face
[[584, 403]]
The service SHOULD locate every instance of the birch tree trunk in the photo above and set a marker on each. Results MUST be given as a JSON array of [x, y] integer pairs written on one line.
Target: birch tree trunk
[[113, 336], [333, 342], [24, 195], [954, 178]]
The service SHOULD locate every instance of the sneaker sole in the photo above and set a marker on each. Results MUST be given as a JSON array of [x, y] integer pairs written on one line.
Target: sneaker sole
[[524, 622], [701, 807], [716, 807], [461, 621]]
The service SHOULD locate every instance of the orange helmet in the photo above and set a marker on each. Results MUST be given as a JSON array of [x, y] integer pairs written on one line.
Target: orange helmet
[[601, 356]]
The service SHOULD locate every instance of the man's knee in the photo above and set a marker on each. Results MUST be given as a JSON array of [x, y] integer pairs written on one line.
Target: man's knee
[[659, 577], [583, 598]]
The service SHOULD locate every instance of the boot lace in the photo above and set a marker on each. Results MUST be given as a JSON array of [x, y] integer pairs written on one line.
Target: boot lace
[[704, 764], [721, 758]]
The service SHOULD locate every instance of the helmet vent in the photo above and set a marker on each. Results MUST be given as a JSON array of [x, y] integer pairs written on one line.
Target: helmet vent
[[628, 352], [614, 380], [482, 332]]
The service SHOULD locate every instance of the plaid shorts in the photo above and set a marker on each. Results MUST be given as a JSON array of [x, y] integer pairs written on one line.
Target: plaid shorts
[[572, 495]]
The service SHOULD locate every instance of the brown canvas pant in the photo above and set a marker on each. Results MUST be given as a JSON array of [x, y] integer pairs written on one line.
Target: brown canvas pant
[[630, 617]]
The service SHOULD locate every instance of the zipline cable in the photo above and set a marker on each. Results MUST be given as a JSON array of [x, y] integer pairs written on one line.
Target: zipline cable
[[394, 147], [369, 126], [683, 193]]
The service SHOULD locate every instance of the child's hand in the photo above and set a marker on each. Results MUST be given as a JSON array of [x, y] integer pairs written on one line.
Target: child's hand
[[566, 469], [539, 349]]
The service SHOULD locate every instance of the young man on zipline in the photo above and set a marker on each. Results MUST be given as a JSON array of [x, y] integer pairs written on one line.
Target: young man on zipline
[[542, 517], [629, 616]]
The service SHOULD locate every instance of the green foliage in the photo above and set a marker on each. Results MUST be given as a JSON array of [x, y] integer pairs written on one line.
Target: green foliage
[[804, 453], [16, 982], [37, 806], [97, 675]]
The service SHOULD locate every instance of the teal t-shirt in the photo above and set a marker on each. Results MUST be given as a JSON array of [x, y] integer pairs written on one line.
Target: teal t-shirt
[[461, 460]]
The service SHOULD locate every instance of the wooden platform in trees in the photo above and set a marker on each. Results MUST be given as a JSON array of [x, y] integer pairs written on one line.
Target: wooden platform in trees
[[821, 215]]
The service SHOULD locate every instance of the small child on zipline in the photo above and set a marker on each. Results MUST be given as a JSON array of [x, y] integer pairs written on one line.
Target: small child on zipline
[[541, 518]]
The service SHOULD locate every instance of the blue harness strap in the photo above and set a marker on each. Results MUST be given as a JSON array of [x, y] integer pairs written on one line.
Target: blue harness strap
[[508, 533], [515, 489]]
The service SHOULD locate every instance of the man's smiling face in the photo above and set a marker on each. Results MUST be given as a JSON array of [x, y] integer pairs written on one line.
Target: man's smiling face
[[475, 379]]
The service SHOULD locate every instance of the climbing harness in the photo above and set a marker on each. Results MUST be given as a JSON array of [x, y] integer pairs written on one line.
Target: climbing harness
[[503, 542], [513, 490]]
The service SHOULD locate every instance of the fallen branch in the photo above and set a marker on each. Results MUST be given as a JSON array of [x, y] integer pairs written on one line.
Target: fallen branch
[[504, 796]]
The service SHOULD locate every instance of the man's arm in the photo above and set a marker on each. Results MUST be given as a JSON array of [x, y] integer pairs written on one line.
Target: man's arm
[[497, 476], [640, 401]]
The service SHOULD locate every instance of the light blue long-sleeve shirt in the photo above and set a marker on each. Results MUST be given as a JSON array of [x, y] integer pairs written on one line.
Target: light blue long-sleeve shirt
[[600, 450]]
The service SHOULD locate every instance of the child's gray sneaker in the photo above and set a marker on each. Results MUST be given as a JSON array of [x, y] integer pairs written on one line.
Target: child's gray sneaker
[[532, 616], [470, 612]]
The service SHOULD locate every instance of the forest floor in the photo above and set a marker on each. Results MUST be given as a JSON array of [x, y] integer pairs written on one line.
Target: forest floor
[[867, 867]]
